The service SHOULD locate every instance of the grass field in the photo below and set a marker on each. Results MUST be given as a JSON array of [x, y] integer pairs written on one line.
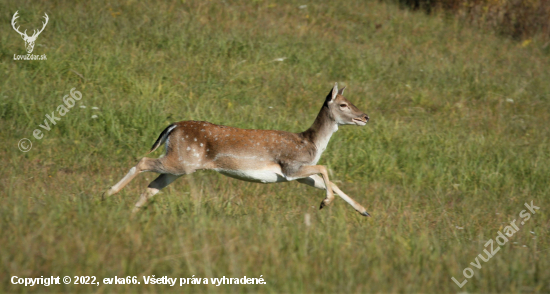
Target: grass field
[[458, 141]]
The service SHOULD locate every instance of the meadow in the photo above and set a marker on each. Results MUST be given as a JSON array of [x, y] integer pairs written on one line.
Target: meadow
[[458, 141]]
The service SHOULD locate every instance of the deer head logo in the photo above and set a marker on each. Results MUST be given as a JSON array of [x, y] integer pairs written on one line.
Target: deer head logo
[[29, 41]]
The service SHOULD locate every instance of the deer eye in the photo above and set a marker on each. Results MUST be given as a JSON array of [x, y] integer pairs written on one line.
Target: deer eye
[[343, 105]]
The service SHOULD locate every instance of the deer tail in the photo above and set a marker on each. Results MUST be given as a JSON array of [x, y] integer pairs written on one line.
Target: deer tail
[[163, 136]]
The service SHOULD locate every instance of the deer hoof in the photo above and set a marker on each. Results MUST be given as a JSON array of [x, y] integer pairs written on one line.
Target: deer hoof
[[365, 213], [107, 193], [322, 205]]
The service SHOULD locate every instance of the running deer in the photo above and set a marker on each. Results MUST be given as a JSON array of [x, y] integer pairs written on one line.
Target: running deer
[[263, 156]]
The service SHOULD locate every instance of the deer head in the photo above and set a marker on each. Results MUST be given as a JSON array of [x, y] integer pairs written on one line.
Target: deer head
[[342, 111], [29, 41]]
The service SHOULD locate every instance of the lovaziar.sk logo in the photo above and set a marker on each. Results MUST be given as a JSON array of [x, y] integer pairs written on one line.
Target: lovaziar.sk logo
[[29, 41]]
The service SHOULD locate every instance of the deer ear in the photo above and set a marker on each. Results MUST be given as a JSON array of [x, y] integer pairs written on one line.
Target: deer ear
[[341, 92], [332, 94]]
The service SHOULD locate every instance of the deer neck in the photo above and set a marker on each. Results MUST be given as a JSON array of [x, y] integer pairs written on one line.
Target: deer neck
[[322, 129]]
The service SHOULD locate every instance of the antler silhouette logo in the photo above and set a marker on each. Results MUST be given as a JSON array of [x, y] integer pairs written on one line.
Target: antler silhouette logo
[[29, 41]]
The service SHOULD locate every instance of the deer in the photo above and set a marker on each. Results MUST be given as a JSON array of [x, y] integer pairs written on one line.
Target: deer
[[29, 41], [261, 156]]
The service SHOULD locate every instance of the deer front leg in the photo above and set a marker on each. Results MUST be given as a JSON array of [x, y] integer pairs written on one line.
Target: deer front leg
[[318, 182], [313, 170]]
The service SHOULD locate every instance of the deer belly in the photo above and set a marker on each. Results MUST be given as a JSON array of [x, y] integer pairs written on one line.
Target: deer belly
[[258, 176]]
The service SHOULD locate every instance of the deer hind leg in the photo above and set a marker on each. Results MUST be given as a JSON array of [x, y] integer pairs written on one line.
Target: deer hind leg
[[145, 164], [317, 182], [153, 188]]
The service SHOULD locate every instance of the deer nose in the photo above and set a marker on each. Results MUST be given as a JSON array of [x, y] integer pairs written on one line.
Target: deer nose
[[366, 118]]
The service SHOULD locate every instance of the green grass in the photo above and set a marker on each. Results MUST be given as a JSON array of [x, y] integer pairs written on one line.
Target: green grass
[[446, 148]]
